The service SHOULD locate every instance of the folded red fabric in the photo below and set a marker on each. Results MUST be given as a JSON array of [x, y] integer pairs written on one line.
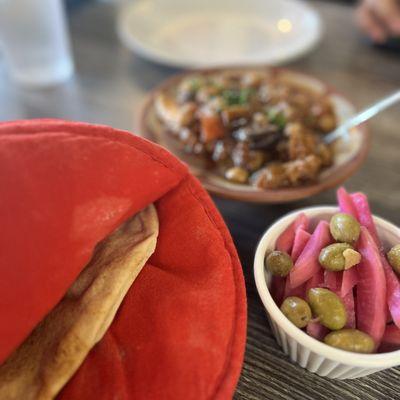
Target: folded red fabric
[[180, 331]]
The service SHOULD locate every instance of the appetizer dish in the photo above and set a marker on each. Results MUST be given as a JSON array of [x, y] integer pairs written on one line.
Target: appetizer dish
[[255, 134], [339, 282], [252, 127]]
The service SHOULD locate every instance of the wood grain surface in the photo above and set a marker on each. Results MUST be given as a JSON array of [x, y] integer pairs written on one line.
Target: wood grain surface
[[109, 88]]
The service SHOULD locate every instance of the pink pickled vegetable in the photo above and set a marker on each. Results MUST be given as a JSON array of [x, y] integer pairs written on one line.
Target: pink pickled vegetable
[[332, 280], [300, 240], [393, 291], [307, 264], [389, 318], [390, 339], [286, 239], [392, 281], [392, 334], [349, 280], [371, 289], [278, 288], [374, 306], [348, 301], [299, 291], [364, 215], [317, 280], [316, 330], [345, 201]]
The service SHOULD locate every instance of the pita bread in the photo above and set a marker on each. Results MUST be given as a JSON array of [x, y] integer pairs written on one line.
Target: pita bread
[[53, 352]]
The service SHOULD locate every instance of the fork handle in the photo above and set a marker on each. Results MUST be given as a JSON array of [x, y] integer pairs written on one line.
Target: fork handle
[[362, 116]]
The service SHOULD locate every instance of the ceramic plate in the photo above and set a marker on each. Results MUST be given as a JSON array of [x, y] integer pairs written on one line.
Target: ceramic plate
[[209, 33], [349, 152]]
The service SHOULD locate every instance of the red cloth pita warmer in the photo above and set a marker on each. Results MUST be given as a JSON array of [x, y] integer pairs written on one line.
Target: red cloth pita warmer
[[180, 332]]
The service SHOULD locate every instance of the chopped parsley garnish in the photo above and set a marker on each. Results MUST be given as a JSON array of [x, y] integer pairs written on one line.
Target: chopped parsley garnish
[[277, 118], [237, 97], [195, 84]]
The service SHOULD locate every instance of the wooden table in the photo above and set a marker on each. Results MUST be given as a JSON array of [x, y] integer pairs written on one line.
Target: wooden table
[[109, 88]]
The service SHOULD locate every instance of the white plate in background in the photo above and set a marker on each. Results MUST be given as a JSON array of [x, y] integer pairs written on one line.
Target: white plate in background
[[212, 33]]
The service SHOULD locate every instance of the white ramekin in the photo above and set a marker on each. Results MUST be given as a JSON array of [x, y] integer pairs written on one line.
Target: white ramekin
[[303, 349]]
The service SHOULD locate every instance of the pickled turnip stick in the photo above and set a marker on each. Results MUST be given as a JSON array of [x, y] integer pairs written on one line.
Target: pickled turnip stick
[[371, 289], [307, 264], [300, 240], [286, 239]]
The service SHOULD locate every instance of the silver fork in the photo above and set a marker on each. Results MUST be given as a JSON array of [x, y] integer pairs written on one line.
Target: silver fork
[[362, 116]]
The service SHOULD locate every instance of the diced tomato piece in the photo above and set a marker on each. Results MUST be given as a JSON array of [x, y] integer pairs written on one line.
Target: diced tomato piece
[[307, 264], [211, 128], [286, 239]]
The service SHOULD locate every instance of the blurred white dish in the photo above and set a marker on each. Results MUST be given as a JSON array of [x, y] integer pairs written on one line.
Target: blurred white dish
[[210, 33]]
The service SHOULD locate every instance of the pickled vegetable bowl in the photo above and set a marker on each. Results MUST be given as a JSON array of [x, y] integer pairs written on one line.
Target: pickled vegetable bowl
[[337, 282]]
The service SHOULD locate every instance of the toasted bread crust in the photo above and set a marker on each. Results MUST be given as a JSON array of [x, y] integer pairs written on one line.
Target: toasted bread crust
[[53, 352]]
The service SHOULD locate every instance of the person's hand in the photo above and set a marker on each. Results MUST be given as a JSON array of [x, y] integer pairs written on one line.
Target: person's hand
[[379, 19]]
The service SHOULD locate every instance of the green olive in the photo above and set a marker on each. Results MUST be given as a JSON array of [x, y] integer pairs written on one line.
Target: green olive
[[344, 228], [394, 258], [279, 263], [237, 174], [351, 340], [297, 311], [328, 307], [333, 258]]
